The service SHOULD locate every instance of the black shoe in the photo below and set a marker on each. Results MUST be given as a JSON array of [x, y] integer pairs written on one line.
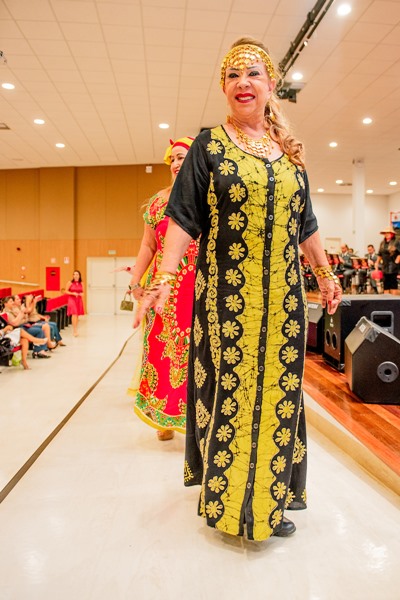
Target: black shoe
[[288, 527], [41, 354]]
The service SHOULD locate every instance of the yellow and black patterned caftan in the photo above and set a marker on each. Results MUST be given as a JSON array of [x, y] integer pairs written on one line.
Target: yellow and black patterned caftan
[[246, 437]]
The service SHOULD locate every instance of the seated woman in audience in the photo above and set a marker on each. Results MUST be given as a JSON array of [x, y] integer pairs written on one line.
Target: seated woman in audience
[[20, 337], [17, 316], [35, 317]]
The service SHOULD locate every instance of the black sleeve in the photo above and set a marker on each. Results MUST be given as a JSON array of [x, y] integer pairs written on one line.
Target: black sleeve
[[308, 220], [187, 204]]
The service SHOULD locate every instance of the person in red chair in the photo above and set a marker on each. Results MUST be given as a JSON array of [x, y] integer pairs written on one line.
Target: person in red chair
[[19, 337], [18, 316]]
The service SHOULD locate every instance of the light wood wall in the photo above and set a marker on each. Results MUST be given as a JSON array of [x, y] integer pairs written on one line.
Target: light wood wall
[[50, 215]]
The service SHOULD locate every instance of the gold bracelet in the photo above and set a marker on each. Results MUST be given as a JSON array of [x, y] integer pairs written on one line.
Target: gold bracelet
[[162, 277], [326, 273], [134, 286]]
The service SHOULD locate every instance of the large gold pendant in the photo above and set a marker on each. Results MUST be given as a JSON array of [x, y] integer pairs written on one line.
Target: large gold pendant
[[260, 147]]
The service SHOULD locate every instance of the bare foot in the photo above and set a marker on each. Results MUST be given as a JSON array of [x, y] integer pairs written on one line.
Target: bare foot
[[75, 334]]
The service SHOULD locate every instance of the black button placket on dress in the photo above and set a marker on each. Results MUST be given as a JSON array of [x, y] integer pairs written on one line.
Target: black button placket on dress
[[262, 347]]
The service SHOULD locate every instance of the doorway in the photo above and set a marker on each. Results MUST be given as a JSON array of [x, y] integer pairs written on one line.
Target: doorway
[[105, 286]]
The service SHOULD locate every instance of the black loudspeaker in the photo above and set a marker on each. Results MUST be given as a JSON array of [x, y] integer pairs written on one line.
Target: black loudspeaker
[[384, 310], [372, 363], [315, 334]]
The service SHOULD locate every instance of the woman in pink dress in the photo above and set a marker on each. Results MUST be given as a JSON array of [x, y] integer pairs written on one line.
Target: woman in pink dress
[[160, 399], [74, 289]]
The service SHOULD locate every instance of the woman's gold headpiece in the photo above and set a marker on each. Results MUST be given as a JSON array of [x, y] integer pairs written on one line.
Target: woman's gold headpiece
[[243, 56]]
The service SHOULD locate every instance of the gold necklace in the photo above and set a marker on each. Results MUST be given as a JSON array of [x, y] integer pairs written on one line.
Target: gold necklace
[[260, 147]]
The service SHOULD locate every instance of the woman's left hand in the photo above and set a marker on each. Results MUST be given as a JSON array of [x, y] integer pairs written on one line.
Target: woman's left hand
[[331, 293], [151, 298]]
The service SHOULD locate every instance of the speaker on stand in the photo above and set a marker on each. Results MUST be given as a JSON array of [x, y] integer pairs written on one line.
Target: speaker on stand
[[372, 363], [315, 334]]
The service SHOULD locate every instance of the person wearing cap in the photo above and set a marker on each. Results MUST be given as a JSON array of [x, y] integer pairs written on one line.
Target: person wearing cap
[[160, 398], [243, 188], [389, 256]]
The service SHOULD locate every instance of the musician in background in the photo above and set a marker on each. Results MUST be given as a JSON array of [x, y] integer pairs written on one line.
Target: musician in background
[[346, 265]]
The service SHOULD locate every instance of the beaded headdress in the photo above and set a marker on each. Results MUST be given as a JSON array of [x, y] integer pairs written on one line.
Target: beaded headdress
[[243, 56], [185, 142]]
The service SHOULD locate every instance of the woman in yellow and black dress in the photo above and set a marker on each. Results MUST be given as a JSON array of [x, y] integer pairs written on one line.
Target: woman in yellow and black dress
[[243, 188]]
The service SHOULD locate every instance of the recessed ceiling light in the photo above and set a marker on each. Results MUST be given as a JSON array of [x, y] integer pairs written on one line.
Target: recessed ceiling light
[[370, 191], [367, 121], [39, 121], [60, 145], [333, 144], [8, 86], [343, 9], [392, 182], [297, 76], [320, 190], [163, 126], [339, 181]]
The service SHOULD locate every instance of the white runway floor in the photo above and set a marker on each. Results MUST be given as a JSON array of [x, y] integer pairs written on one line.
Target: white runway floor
[[102, 513]]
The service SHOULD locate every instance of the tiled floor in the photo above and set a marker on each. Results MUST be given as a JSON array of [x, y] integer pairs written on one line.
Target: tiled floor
[[102, 514]]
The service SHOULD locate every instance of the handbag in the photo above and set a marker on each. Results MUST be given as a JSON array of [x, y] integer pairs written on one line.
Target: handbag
[[126, 304]]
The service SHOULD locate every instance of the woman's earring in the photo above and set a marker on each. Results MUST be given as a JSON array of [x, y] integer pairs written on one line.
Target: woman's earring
[[271, 114]]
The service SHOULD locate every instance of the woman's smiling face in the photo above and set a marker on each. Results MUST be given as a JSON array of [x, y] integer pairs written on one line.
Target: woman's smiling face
[[248, 90]]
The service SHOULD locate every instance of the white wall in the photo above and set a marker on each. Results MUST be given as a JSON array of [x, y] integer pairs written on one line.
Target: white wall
[[394, 202], [335, 217]]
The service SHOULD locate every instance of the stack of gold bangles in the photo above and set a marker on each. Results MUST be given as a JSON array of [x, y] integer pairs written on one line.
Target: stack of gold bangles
[[160, 278], [326, 273]]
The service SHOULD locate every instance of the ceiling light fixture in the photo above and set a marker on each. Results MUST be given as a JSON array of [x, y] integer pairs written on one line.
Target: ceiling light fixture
[[320, 190], [8, 86], [343, 9], [339, 181], [370, 191], [60, 145], [392, 182], [39, 121], [333, 144], [367, 121], [163, 126], [297, 76]]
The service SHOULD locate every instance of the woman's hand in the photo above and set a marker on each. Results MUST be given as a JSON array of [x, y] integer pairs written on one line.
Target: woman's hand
[[331, 293], [137, 292], [151, 298]]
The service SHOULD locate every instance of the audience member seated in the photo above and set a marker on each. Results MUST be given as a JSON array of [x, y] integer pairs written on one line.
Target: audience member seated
[[36, 318], [17, 316], [19, 337], [346, 266], [371, 257]]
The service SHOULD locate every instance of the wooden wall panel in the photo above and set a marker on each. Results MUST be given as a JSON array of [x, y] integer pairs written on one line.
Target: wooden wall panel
[[90, 203], [57, 199], [3, 205], [22, 204]]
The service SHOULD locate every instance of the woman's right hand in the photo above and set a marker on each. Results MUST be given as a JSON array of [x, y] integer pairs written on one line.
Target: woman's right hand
[[137, 293]]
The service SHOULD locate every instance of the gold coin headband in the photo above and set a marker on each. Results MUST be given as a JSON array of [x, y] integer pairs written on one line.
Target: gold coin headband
[[244, 56]]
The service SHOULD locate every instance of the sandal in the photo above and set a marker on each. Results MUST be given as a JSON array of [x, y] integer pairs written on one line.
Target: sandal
[[165, 434]]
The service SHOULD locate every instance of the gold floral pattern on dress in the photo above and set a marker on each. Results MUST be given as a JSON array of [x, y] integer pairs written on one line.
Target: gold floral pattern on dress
[[304, 495], [279, 490], [216, 484], [236, 192], [276, 517], [201, 446], [290, 382], [230, 329], [290, 354], [279, 464], [292, 329], [214, 147], [224, 433], [222, 458], [197, 331], [286, 409], [236, 221], [228, 381], [228, 406], [290, 253], [200, 284], [236, 251], [202, 415], [234, 303], [150, 373], [296, 202], [289, 498], [299, 450], [291, 303], [234, 277], [226, 168], [200, 373], [213, 509], [187, 473], [293, 226], [283, 436], [293, 278], [231, 355]]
